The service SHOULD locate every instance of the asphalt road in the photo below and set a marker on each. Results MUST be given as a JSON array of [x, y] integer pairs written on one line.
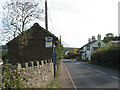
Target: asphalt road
[[86, 75]]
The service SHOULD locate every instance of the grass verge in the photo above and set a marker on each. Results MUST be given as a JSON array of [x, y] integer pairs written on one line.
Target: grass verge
[[54, 84]]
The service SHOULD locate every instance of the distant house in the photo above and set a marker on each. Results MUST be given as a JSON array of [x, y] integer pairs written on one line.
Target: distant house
[[91, 46], [114, 42], [68, 49], [36, 44]]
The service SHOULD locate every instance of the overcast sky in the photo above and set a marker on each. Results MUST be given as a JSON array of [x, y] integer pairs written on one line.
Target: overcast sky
[[78, 20]]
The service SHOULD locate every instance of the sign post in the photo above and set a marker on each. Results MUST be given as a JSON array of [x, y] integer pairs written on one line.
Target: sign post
[[54, 60], [48, 42]]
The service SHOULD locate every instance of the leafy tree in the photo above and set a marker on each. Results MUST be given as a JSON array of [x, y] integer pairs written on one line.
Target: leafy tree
[[108, 37], [17, 15], [59, 51]]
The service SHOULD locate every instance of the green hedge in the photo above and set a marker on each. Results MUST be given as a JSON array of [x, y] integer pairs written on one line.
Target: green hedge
[[59, 51], [107, 56]]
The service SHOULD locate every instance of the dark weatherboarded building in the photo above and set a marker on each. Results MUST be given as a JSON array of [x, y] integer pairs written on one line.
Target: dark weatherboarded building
[[35, 43]]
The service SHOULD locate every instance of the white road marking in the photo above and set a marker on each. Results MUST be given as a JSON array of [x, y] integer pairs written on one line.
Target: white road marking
[[103, 72], [99, 71], [115, 77], [70, 77], [88, 67]]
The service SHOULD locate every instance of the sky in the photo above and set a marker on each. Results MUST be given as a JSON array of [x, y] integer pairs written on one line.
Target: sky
[[78, 20]]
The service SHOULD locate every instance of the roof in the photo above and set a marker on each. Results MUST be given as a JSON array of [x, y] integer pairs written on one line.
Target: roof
[[36, 25], [88, 44], [44, 30], [1, 60], [0, 46]]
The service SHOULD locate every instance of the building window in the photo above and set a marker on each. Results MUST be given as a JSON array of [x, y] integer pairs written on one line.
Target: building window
[[99, 44], [88, 47], [95, 48]]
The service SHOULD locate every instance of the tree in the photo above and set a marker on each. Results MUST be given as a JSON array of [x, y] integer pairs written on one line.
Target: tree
[[108, 37], [59, 51], [17, 15]]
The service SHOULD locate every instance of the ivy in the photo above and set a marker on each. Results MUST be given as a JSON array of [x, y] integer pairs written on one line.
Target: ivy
[[12, 78]]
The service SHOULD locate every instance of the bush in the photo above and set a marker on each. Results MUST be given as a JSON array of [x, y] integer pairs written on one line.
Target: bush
[[107, 56], [12, 78], [59, 51]]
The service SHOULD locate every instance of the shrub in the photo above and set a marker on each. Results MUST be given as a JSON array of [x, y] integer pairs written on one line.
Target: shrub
[[107, 56], [59, 51], [12, 78]]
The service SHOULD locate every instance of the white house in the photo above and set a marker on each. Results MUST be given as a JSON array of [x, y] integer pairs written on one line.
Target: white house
[[92, 45]]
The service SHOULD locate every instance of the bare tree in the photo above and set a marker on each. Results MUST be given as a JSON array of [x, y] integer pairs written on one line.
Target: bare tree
[[18, 14]]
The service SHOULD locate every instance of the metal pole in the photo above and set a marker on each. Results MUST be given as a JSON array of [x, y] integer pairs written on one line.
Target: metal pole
[[46, 19], [54, 60], [54, 64]]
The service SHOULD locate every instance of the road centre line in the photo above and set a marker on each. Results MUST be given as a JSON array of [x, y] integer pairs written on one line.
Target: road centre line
[[96, 70], [88, 67], [99, 71], [103, 72], [115, 77]]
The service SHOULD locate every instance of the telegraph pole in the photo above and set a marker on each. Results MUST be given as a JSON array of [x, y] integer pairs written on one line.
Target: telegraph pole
[[46, 16]]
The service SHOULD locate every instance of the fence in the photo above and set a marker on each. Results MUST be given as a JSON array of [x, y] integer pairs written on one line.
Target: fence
[[38, 73]]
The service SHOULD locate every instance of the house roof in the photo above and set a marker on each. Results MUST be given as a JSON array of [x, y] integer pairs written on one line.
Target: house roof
[[44, 30], [0, 46], [88, 44], [36, 25]]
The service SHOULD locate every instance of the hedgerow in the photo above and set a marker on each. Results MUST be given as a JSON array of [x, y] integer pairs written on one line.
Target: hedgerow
[[107, 56]]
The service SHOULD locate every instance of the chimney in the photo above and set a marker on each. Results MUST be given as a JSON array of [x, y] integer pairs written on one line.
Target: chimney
[[89, 40], [99, 37], [93, 38]]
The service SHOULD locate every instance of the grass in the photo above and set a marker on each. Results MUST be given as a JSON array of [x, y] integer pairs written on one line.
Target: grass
[[54, 84]]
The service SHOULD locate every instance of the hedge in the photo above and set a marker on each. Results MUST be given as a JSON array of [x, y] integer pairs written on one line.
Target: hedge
[[107, 56]]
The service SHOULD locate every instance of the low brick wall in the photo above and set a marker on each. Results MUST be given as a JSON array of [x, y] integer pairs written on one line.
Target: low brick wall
[[38, 73]]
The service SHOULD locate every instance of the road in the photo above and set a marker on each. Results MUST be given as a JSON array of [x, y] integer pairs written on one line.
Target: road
[[86, 75]]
